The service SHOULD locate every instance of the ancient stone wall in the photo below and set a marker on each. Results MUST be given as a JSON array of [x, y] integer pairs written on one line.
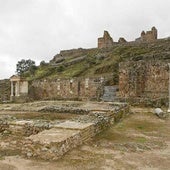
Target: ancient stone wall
[[148, 36], [143, 79], [106, 41], [122, 40], [77, 88], [51, 139], [54, 143], [71, 54], [4, 90]]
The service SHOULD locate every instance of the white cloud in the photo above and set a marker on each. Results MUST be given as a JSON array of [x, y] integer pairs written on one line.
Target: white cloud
[[7, 66]]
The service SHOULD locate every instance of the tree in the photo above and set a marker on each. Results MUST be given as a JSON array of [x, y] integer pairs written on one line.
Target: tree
[[43, 63], [24, 66]]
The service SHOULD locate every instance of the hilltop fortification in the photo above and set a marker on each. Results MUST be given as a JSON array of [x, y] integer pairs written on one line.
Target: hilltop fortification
[[148, 36], [106, 41]]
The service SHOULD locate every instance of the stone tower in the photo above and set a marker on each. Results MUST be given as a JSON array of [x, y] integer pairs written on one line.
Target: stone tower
[[154, 32], [106, 41], [149, 36]]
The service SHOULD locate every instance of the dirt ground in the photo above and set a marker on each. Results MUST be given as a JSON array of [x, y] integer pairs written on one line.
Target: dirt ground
[[139, 142]]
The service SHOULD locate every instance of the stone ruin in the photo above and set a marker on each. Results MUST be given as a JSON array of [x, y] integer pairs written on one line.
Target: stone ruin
[[106, 41], [4, 90], [146, 81], [122, 40], [50, 140], [19, 88], [81, 89], [148, 36], [67, 89]]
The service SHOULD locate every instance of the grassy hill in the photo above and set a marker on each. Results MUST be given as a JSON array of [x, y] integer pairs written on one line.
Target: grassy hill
[[95, 62]]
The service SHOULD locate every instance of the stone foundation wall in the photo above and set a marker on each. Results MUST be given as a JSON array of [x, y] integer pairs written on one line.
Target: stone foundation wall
[[51, 140], [4, 90], [77, 89], [54, 143], [144, 79]]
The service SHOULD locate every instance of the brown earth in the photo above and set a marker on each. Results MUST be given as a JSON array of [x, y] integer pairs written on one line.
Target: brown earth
[[141, 141]]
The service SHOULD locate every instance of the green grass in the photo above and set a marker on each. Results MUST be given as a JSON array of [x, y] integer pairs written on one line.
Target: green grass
[[74, 70], [108, 65]]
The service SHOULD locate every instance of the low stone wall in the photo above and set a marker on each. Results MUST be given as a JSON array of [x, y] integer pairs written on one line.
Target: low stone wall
[[54, 143], [10, 125], [66, 109], [33, 129], [51, 144]]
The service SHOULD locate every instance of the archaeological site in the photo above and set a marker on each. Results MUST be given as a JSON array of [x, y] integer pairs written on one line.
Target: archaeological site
[[90, 108]]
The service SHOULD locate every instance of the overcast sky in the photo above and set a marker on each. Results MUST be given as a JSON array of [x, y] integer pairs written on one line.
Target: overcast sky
[[39, 29]]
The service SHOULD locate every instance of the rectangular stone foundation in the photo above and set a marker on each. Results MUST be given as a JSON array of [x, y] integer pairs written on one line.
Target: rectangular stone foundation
[[54, 143]]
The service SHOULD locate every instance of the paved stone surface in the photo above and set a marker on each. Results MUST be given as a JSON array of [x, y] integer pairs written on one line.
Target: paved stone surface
[[73, 125], [53, 135]]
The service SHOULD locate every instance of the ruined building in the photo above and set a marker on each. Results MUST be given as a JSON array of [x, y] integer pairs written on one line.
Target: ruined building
[[106, 41], [19, 88], [70, 89], [122, 40], [148, 36], [144, 79]]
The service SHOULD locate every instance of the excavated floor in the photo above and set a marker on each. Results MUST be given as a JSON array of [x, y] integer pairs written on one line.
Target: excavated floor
[[42, 130], [139, 142]]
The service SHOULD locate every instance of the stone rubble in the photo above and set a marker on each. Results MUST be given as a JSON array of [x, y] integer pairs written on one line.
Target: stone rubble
[[50, 140]]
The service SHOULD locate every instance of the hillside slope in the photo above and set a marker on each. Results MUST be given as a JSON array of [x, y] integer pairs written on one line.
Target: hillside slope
[[95, 62]]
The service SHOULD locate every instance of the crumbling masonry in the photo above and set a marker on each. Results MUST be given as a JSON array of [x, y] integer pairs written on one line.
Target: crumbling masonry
[[106, 41], [143, 79]]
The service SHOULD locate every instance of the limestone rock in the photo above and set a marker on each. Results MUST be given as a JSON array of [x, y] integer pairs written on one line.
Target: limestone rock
[[160, 113]]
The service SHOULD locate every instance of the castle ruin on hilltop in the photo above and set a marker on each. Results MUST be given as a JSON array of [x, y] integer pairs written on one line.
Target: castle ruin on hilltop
[[106, 41], [148, 36]]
